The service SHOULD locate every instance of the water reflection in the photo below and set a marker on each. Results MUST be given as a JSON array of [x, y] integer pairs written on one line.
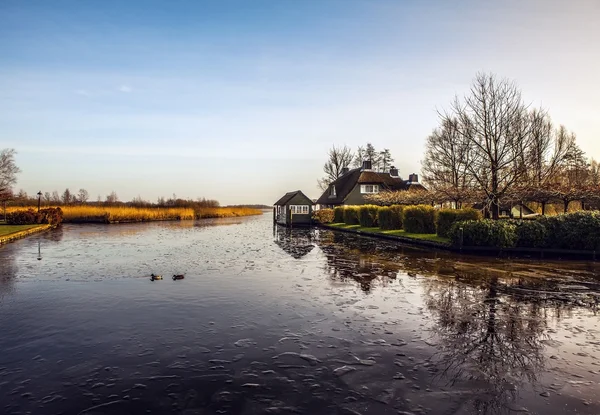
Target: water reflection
[[297, 242], [8, 271], [486, 339]]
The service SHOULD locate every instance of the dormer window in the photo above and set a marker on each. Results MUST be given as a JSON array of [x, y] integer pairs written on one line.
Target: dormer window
[[369, 188], [332, 192]]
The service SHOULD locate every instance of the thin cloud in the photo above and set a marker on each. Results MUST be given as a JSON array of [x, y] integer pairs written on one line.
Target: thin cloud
[[125, 89], [82, 92]]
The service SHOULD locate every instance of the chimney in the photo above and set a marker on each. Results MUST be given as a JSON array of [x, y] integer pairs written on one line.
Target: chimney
[[345, 170], [366, 165], [413, 178], [393, 171]]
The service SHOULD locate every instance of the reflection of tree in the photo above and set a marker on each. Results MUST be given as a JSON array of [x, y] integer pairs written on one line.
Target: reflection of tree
[[491, 334], [295, 241], [8, 272]]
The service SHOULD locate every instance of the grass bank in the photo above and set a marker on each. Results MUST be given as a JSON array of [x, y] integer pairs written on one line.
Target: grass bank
[[10, 229], [122, 214], [11, 232], [400, 234]]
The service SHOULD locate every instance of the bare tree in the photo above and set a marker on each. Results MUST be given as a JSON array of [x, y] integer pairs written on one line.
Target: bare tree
[[446, 167], [386, 159], [359, 157], [372, 155], [594, 173], [112, 197], [495, 124], [83, 196], [67, 197], [339, 157], [8, 169], [55, 197], [47, 197]]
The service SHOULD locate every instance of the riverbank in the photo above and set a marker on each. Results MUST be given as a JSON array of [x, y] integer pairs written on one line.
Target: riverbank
[[130, 214], [10, 233], [438, 242]]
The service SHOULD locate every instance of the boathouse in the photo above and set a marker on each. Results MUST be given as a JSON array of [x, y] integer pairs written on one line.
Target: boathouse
[[294, 208]]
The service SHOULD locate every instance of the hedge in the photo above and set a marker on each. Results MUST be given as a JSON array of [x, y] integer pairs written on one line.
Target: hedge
[[531, 234], [351, 215], [486, 232], [390, 218], [577, 230], [338, 214], [52, 216], [447, 217], [323, 215], [367, 215], [419, 219]]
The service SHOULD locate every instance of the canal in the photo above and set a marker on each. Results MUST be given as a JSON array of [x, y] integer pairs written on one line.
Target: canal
[[279, 321]]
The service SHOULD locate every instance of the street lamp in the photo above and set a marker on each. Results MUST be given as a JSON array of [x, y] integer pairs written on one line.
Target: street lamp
[[39, 199]]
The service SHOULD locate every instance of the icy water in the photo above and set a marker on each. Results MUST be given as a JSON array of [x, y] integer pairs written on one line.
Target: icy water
[[277, 321]]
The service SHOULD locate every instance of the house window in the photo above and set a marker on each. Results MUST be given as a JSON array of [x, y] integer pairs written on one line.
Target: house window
[[369, 188], [299, 209], [332, 191]]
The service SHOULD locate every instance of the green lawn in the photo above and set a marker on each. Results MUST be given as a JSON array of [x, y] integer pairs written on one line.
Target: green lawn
[[8, 229], [422, 236]]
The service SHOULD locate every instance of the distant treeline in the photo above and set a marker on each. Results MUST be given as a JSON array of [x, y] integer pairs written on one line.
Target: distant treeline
[[251, 206]]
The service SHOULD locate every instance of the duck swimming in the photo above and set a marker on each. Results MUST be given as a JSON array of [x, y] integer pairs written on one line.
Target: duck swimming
[[155, 277], [178, 277]]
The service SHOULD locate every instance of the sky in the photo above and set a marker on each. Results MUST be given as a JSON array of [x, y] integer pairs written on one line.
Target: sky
[[240, 101]]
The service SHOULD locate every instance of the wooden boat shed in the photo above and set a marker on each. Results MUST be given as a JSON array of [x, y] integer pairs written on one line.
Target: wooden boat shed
[[294, 208]]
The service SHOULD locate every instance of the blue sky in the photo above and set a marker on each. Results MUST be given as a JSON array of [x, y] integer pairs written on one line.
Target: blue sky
[[240, 100]]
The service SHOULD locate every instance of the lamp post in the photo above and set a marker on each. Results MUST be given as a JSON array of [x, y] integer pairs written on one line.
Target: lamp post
[[39, 194]]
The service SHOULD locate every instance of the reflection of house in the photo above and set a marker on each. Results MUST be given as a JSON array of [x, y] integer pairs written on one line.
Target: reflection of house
[[294, 208], [296, 242], [353, 185]]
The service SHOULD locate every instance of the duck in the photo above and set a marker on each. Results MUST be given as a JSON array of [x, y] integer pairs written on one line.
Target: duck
[[178, 277], [155, 277]]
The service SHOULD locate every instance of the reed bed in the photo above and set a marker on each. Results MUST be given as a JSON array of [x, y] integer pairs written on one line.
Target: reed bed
[[226, 212], [113, 214]]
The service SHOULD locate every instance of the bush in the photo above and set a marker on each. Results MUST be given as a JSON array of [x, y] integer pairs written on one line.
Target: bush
[[531, 234], [419, 219], [52, 216], [447, 217], [351, 215], [323, 215], [367, 215], [578, 230], [390, 218], [338, 214], [486, 232]]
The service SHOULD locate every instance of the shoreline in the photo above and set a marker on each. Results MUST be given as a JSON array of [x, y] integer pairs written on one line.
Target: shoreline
[[4, 239], [530, 253]]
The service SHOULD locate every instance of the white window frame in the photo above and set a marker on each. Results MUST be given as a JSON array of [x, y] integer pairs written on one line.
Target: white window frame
[[364, 188], [299, 209]]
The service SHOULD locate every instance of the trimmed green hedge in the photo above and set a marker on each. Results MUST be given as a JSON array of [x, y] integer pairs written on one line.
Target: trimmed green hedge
[[338, 214], [486, 232], [447, 217], [390, 218], [419, 219], [323, 215], [577, 230], [367, 215], [531, 234], [351, 215]]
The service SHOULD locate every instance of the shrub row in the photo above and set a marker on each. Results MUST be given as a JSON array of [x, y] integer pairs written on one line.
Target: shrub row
[[390, 217], [419, 219], [447, 217], [323, 215], [52, 216], [578, 231]]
